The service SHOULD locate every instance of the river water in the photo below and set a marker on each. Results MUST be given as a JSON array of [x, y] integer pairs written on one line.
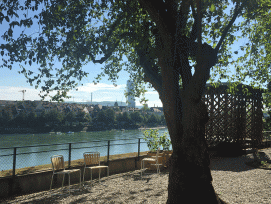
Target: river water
[[37, 149]]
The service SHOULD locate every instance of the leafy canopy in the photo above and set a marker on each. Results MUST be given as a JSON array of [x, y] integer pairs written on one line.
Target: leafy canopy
[[116, 33]]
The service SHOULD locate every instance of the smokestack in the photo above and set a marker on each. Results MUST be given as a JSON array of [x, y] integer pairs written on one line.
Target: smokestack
[[91, 98]]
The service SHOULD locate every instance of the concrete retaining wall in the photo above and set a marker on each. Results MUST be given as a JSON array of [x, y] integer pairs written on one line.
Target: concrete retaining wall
[[35, 182]]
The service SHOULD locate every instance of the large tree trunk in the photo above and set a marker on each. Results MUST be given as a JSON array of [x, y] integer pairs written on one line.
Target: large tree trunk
[[190, 179]]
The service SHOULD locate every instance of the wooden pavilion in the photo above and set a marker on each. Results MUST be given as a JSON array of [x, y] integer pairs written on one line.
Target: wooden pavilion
[[234, 117]]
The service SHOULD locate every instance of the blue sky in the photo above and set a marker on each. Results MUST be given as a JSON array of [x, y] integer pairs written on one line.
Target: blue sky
[[11, 83]]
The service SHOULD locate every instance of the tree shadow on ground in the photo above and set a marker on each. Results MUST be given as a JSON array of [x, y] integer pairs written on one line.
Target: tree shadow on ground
[[261, 161], [102, 194], [241, 163]]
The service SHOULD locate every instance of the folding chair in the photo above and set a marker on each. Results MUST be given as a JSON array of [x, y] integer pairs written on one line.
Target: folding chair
[[59, 168], [151, 160], [92, 161]]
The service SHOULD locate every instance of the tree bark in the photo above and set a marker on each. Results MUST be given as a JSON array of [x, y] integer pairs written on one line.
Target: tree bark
[[190, 177]]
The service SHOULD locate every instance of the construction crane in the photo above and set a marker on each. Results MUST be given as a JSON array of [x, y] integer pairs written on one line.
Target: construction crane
[[23, 93]]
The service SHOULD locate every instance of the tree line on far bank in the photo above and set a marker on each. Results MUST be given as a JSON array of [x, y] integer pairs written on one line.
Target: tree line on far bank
[[55, 119]]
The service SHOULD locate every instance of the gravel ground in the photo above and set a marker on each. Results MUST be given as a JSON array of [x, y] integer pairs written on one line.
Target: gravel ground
[[236, 182], [232, 180]]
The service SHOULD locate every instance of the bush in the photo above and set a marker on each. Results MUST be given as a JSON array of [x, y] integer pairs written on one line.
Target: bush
[[154, 141]]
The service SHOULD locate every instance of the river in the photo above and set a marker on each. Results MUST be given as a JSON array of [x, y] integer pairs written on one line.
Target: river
[[54, 144]]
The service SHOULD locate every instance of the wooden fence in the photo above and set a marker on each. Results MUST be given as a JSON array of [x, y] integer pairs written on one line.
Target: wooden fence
[[234, 117]]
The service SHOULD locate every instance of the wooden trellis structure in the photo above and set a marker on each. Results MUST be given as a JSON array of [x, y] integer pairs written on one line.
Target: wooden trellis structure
[[233, 117]]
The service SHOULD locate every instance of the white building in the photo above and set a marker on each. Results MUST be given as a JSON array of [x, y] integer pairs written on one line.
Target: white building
[[130, 99]]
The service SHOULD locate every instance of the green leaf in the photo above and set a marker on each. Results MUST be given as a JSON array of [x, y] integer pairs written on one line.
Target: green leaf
[[212, 8]]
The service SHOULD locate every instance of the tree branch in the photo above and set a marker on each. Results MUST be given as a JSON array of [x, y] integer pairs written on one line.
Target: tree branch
[[157, 11], [197, 83], [154, 9], [183, 14], [172, 8], [224, 33], [193, 34], [121, 16], [109, 51], [199, 18], [150, 70], [181, 53]]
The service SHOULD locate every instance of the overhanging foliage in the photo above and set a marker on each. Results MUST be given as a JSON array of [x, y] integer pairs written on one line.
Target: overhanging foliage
[[109, 32]]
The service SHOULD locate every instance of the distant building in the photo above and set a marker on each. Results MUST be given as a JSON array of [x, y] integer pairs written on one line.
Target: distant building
[[103, 103], [98, 107], [123, 108], [157, 110], [130, 98]]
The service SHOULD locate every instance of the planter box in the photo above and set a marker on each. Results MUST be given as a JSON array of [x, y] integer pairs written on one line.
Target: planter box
[[166, 156]]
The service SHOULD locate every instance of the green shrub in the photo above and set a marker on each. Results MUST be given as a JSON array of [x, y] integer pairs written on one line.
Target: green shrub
[[154, 141]]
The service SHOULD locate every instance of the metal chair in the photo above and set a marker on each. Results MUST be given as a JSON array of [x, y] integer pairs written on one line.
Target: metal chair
[[59, 168], [92, 161], [151, 160]]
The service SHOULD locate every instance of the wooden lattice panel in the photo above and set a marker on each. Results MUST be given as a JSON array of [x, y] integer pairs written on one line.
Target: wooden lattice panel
[[233, 118]]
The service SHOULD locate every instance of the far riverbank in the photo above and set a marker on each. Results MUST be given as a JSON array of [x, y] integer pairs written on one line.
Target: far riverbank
[[65, 129]]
